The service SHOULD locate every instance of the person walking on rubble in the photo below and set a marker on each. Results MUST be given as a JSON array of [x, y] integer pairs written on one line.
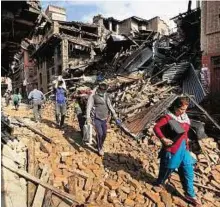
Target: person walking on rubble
[[7, 96], [37, 98], [101, 105], [81, 99], [16, 99], [60, 103], [172, 129]]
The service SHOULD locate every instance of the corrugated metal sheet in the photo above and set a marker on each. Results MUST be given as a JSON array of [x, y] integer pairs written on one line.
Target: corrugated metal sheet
[[140, 121], [175, 73], [144, 55], [136, 59], [193, 86]]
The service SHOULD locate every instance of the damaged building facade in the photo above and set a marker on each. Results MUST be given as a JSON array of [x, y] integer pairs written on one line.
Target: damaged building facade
[[210, 42], [146, 69], [62, 46], [132, 24], [18, 22]]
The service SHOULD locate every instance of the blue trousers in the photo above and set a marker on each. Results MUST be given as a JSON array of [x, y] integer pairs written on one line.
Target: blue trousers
[[101, 131], [181, 160]]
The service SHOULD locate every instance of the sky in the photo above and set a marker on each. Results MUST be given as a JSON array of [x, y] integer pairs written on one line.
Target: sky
[[147, 9]]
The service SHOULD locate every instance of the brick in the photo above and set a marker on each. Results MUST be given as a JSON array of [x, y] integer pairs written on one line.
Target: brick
[[81, 166], [62, 166], [135, 184], [132, 195], [140, 199], [111, 184], [91, 197], [98, 173], [112, 196], [88, 184], [125, 189], [101, 194], [57, 172], [179, 202], [129, 202], [69, 161], [153, 196], [93, 167], [216, 175], [209, 197], [166, 198], [157, 189]]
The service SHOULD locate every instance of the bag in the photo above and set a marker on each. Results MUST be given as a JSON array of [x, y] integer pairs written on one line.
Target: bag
[[87, 133], [60, 96], [173, 130]]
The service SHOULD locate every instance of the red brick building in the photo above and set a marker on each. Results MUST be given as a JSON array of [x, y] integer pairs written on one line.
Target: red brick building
[[210, 41]]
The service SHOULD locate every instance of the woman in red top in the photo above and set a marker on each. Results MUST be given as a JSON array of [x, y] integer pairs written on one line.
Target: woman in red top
[[175, 155]]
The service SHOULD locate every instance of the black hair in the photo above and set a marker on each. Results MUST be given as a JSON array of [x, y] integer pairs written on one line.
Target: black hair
[[179, 102], [17, 91]]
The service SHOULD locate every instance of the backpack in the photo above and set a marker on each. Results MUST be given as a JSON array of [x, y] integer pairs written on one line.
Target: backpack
[[60, 96]]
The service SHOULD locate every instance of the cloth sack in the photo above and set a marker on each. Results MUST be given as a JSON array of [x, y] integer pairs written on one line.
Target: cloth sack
[[87, 133], [172, 130]]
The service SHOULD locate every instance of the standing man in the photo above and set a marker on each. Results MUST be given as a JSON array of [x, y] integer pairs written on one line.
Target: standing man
[[100, 102], [37, 98], [60, 103]]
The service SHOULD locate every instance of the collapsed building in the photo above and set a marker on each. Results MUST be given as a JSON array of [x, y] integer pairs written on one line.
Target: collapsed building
[[146, 70]]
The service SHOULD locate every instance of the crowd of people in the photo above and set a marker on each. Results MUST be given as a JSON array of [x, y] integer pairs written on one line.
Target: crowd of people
[[94, 107]]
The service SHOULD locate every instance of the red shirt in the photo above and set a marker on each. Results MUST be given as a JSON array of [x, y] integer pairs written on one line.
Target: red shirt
[[163, 121]]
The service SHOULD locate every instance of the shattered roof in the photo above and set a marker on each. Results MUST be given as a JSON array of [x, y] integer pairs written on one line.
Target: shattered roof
[[136, 18], [78, 23]]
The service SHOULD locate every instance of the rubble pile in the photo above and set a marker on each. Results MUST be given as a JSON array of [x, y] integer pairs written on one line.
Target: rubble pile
[[123, 177], [134, 98], [14, 188], [145, 73]]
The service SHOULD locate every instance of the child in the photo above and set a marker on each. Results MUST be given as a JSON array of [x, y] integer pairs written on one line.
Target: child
[[17, 99]]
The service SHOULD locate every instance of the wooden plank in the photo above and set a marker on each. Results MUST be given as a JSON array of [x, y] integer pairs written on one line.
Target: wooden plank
[[39, 196], [38, 181], [204, 111], [47, 198], [31, 169], [72, 185], [34, 130], [206, 187], [79, 173]]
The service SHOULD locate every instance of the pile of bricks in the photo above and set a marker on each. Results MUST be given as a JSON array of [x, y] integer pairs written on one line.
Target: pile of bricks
[[124, 176]]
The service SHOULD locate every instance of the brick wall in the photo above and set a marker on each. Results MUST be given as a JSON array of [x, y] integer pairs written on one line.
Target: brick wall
[[210, 27], [210, 40]]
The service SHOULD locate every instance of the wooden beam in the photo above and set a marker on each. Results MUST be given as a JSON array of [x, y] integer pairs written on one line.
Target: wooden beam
[[39, 196], [206, 187], [38, 181], [31, 169], [23, 21], [48, 198], [204, 111], [34, 130]]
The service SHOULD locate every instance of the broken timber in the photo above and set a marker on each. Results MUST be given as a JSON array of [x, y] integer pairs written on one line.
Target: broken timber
[[39, 196], [40, 182], [204, 111], [31, 169], [34, 130]]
